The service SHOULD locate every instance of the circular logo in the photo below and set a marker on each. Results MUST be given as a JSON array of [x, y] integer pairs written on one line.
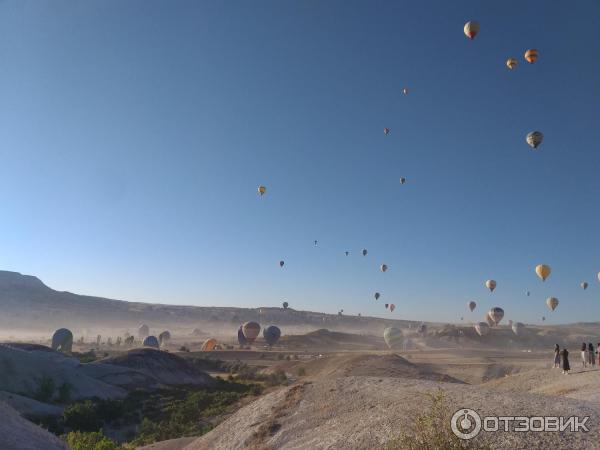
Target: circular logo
[[466, 424]]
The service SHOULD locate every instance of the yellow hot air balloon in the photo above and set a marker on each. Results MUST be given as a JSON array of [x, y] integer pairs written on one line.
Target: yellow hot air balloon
[[511, 63], [552, 303], [543, 271], [531, 55], [209, 345], [262, 190]]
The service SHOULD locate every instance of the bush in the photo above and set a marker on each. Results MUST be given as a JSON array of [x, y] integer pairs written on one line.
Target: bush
[[90, 441], [431, 430], [82, 417], [45, 389], [64, 392]]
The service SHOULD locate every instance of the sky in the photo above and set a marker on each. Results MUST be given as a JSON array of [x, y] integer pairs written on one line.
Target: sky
[[134, 135]]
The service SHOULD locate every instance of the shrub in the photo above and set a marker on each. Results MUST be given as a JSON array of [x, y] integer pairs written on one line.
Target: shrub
[[64, 392], [82, 417], [90, 441], [45, 389]]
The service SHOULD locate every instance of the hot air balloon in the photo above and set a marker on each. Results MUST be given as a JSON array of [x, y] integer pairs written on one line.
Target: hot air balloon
[[531, 55], [316, 242], [491, 285], [518, 328], [543, 271], [271, 334], [164, 337], [251, 331], [393, 338], [209, 345], [527, 293], [422, 329], [496, 314], [384, 267], [386, 305], [281, 263], [241, 338], [405, 91], [62, 340], [392, 307], [472, 305], [598, 276], [151, 341], [489, 320], [143, 331], [534, 139], [482, 328], [377, 295], [543, 318], [552, 303], [584, 285], [402, 180], [386, 131], [285, 305], [262, 190], [511, 63], [347, 253], [364, 252], [471, 29]]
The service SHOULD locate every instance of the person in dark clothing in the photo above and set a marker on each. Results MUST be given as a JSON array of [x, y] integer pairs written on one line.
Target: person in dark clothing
[[564, 361], [591, 355], [557, 356]]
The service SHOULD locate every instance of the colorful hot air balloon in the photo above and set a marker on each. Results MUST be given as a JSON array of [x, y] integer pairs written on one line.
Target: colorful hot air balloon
[[491, 285], [377, 295], [251, 331], [392, 307], [271, 334], [531, 55], [511, 63], [496, 314], [482, 328], [402, 180], [518, 328], [534, 139], [552, 303], [584, 285], [386, 306], [281, 263], [543, 271], [393, 338], [364, 252], [386, 131], [209, 345], [285, 305], [262, 190], [471, 29], [598, 276], [472, 305], [384, 267]]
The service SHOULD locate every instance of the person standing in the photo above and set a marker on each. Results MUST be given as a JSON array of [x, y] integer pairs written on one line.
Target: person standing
[[591, 355], [598, 352], [557, 356], [584, 355], [564, 359]]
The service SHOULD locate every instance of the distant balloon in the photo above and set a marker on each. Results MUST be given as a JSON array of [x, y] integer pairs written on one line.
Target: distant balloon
[[491, 285], [518, 328], [347, 253], [527, 293], [496, 314], [271, 334], [392, 307], [316, 242], [386, 131], [281, 263], [262, 190], [364, 252], [393, 338], [241, 338], [209, 345], [531, 55], [384, 268], [402, 180], [377, 295], [534, 139], [422, 329], [151, 341], [584, 285], [386, 306], [471, 29], [552, 303], [482, 328], [143, 331], [472, 305], [598, 276], [62, 340], [543, 271], [164, 337], [285, 305], [489, 320], [511, 63], [251, 331], [405, 91], [543, 318]]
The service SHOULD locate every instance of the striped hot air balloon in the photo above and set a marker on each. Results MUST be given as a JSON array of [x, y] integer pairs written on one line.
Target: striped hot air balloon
[[531, 55]]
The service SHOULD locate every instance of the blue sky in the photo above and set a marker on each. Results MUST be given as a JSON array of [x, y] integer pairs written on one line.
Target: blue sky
[[133, 136]]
